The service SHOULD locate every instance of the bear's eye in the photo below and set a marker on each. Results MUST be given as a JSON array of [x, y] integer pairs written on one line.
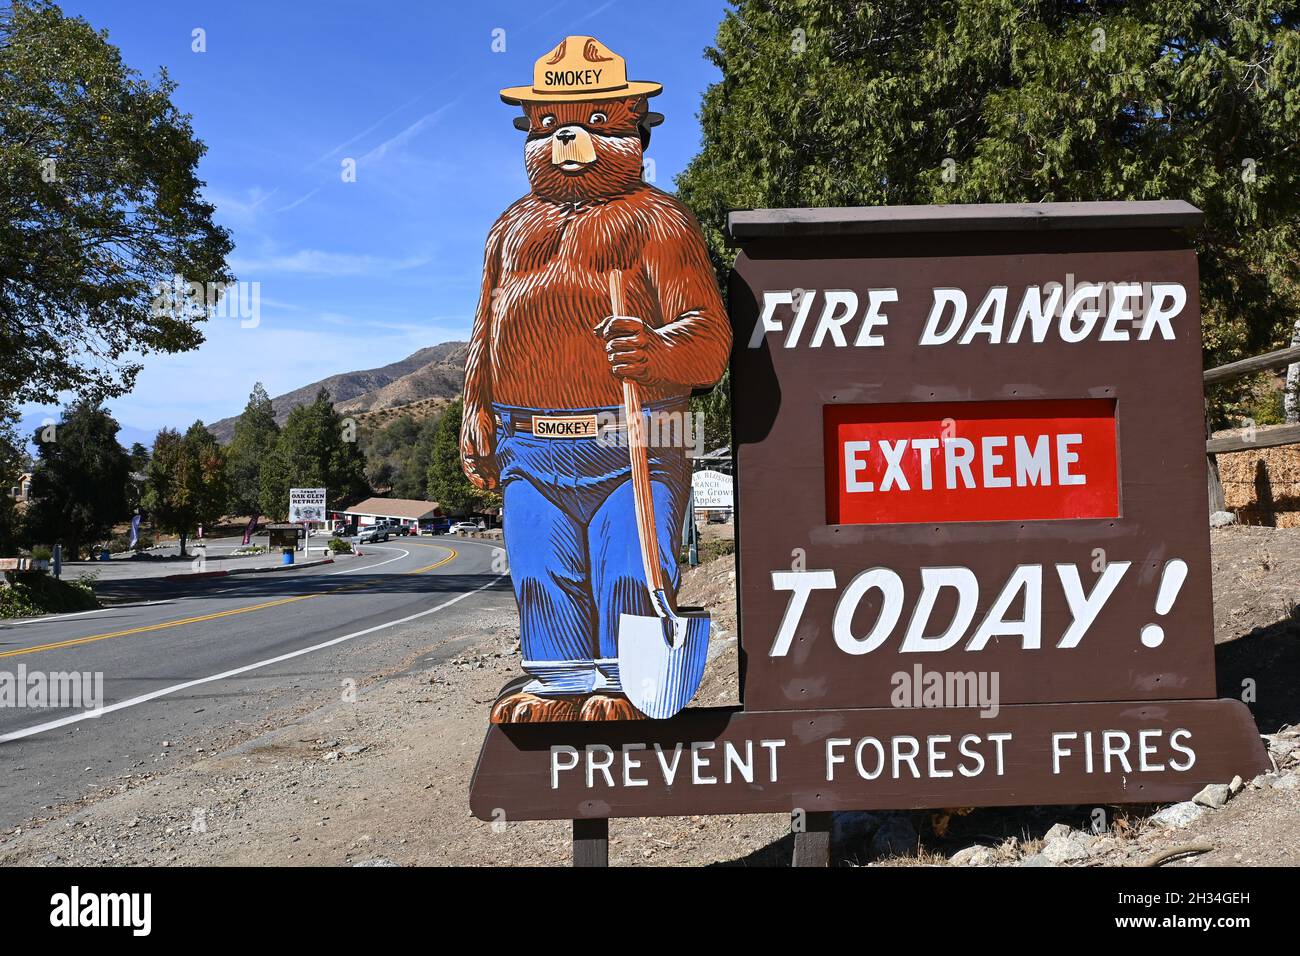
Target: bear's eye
[[597, 117], [548, 121]]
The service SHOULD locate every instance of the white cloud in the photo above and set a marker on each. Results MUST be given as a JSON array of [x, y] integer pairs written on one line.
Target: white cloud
[[320, 263], [394, 143]]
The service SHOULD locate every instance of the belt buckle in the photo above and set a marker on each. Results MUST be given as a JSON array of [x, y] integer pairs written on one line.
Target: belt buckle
[[564, 426]]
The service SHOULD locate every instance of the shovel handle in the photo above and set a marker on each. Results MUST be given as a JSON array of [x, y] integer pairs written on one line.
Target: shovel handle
[[642, 494]]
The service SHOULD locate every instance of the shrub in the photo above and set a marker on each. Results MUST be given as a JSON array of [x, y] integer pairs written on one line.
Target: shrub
[[339, 546], [37, 593]]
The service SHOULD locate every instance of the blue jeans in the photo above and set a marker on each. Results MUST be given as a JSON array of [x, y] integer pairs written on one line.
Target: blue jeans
[[571, 539]]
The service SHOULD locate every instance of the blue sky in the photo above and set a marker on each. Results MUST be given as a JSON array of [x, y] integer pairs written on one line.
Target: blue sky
[[356, 275]]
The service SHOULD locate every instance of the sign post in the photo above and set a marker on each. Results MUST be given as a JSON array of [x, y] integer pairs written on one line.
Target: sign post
[[306, 506], [973, 560]]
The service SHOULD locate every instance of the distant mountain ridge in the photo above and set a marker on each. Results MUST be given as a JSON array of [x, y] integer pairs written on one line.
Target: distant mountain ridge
[[434, 372]]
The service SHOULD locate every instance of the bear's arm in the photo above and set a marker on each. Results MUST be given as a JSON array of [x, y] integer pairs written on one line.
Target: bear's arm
[[696, 328], [478, 369]]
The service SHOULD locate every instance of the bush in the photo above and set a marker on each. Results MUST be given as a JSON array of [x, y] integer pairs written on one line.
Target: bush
[[36, 593], [42, 552], [122, 542], [339, 546], [711, 550]]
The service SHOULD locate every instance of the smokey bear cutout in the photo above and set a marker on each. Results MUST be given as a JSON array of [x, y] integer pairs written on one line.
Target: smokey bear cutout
[[599, 314]]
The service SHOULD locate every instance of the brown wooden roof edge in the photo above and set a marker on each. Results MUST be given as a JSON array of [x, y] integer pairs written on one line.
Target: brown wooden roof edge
[[958, 217]]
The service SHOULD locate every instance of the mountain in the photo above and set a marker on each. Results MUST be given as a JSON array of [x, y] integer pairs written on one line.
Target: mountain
[[435, 372]]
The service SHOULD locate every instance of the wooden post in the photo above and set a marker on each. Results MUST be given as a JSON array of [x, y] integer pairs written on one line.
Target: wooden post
[[1217, 502], [812, 843], [591, 842]]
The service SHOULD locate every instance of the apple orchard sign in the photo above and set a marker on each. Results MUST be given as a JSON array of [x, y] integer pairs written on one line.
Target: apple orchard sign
[[973, 549]]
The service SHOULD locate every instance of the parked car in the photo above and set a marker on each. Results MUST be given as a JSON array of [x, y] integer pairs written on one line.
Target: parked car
[[376, 532], [463, 527], [436, 526]]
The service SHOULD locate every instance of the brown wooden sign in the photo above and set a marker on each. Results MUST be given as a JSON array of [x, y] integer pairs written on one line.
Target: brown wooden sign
[[973, 552]]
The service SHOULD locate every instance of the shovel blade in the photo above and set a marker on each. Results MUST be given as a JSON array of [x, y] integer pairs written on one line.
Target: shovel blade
[[661, 661]]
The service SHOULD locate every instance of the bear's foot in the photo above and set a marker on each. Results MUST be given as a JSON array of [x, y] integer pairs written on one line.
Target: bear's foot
[[609, 707], [525, 708]]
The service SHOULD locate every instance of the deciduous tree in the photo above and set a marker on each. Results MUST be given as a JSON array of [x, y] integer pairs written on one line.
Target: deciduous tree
[[100, 206], [834, 103]]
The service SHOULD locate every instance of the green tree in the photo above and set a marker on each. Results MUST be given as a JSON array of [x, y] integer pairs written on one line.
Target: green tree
[[254, 440], [12, 462], [834, 103], [79, 484], [412, 476], [138, 456], [317, 448], [447, 483], [186, 481], [99, 207]]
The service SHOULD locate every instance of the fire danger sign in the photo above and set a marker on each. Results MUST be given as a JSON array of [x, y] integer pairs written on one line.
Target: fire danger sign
[[972, 530]]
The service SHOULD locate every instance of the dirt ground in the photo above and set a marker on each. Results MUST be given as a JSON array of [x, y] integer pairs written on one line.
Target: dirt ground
[[384, 780]]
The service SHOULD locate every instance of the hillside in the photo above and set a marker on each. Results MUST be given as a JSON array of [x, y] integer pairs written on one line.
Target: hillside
[[435, 372]]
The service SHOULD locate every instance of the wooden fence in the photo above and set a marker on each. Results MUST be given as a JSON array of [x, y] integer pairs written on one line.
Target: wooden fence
[[1285, 435]]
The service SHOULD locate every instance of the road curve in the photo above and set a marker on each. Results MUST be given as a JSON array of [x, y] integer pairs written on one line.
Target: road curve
[[195, 657]]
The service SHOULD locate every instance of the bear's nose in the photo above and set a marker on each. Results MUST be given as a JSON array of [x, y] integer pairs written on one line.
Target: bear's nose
[[566, 136]]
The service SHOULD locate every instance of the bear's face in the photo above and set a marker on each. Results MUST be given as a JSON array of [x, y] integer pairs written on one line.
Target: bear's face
[[582, 151]]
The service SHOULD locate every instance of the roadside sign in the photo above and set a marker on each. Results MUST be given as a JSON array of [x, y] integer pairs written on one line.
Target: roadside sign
[[713, 490], [972, 530], [307, 505]]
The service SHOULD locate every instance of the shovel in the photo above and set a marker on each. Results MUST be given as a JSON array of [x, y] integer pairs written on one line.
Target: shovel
[[660, 659]]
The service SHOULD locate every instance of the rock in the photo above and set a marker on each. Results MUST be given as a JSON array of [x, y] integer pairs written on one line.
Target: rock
[[895, 837], [376, 861], [353, 750], [1214, 795], [1100, 844], [1178, 816], [1062, 849], [1288, 781], [1235, 787], [853, 827], [1280, 746], [1036, 860], [1058, 830], [1221, 519], [972, 856], [1262, 782]]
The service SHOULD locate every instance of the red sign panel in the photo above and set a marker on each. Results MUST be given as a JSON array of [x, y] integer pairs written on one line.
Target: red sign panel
[[971, 461]]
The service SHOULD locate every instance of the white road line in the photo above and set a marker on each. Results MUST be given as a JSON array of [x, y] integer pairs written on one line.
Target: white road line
[[154, 695], [64, 617], [371, 567]]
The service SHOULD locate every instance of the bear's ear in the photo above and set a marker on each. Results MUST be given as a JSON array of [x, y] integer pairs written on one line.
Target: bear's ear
[[522, 124]]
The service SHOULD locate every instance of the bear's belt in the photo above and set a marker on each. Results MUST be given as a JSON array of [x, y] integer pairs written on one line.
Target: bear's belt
[[564, 426]]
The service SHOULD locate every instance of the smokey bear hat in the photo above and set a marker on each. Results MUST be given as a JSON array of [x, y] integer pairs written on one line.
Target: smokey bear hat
[[579, 70]]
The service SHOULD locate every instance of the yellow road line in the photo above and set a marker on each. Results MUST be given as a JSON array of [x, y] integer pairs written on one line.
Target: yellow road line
[[163, 625]]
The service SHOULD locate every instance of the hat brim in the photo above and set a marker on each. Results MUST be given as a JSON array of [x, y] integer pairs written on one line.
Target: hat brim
[[526, 94]]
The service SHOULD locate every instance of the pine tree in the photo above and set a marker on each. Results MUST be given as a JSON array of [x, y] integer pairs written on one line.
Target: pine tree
[[834, 103], [447, 483], [317, 448], [256, 432], [79, 485]]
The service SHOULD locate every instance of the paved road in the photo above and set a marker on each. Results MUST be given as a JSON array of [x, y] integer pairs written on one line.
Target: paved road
[[186, 660]]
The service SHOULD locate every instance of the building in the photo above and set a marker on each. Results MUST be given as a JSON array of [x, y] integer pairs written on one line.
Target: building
[[405, 511], [21, 491]]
